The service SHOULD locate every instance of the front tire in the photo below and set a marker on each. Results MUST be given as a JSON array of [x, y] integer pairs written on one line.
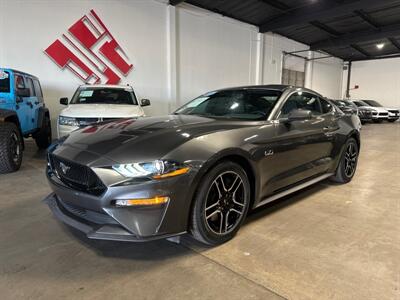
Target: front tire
[[392, 121], [221, 204], [348, 162], [10, 148], [43, 137]]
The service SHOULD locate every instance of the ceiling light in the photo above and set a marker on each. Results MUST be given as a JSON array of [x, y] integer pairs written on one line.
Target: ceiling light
[[380, 46]]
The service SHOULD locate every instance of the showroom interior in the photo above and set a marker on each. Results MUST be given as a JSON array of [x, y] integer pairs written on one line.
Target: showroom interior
[[309, 239]]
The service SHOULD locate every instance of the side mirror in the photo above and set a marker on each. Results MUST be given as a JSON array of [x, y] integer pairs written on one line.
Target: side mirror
[[64, 101], [299, 115], [144, 102], [24, 92]]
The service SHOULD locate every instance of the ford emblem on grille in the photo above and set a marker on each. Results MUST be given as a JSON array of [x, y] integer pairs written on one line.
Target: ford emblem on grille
[[64, 168]]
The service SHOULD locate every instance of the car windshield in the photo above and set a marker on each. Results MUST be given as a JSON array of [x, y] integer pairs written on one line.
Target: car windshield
[[360, 103], [255, 104], [373, 103], [4, 82], [104, 96]]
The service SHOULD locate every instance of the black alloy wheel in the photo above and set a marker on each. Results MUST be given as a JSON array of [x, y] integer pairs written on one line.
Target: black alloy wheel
[[348, 163], [350, 160], [221, 204]]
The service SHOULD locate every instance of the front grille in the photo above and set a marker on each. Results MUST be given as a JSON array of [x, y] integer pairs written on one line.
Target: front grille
[[77, 176], [109, 119], [365, 113], [89, 215], [383, 114], [87, 121]]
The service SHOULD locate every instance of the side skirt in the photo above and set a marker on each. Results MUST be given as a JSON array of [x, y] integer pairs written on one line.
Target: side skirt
[[293, 189]]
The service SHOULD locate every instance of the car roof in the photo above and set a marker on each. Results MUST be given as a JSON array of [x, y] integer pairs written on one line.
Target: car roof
[[276, 87], [19, 72], [110, 86]]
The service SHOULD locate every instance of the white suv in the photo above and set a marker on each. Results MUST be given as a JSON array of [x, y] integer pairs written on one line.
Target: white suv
[[394, 113], [98, 103], [379, 114]]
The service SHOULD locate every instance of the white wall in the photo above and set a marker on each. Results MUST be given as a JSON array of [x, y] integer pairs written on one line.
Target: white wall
[[274, 45], [377, 79], [213, 52], [177, 53], [327, 77], [324, 75], [29, 27]]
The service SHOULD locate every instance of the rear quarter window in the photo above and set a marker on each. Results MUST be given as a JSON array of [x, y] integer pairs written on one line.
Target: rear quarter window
[[4, 82], [38, 88]]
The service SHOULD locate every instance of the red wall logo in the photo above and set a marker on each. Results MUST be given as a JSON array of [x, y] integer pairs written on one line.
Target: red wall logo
[[90, 40]]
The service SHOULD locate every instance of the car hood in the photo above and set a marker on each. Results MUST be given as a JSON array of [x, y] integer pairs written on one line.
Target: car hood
[[145, 139], [102, 111], [390, 108], [378, 109]]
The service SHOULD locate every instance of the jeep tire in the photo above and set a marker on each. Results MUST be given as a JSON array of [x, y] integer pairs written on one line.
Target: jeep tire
[[43, 136], [10, 148]]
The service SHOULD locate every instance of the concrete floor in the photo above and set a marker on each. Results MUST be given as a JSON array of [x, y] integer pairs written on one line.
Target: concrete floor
[[327, 242]]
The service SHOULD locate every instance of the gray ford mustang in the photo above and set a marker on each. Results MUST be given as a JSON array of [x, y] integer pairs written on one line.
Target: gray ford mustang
[[201, 169]]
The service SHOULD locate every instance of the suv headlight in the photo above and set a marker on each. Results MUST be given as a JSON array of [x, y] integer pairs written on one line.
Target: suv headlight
[[157, 169], [68, 121]]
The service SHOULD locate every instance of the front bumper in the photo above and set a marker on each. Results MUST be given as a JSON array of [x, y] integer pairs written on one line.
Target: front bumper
[[380, 116], [94, 230], [393, 116], [107, 221]]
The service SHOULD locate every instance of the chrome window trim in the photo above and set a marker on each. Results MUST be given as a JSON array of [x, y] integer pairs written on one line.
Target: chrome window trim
[[276, 112]]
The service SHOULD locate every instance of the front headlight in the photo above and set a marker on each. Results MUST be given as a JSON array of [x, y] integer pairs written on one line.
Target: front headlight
[[157, 169], [68, 121]]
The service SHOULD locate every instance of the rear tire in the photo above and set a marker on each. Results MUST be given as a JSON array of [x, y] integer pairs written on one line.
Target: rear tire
[[348, 162], [221, 204], [10, 148], [43, 137]]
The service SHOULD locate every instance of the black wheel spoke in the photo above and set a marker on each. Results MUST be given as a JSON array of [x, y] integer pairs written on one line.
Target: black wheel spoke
[[350, 160], [221, 222], [15, 147], [215, 205], [225, 203], [213, 214]]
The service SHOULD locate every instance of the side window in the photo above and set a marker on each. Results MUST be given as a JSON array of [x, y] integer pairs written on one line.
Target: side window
[[4, 82], [29, 83], [38, 89], [19, 82], [325, 106], [301, 100]]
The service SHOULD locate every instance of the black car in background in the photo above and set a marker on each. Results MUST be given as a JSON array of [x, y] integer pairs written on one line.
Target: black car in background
[[394, 113], [349, 107], [201, 169]]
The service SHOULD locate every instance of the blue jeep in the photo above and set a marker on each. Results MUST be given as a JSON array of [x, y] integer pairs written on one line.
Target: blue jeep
[[22, 114]]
